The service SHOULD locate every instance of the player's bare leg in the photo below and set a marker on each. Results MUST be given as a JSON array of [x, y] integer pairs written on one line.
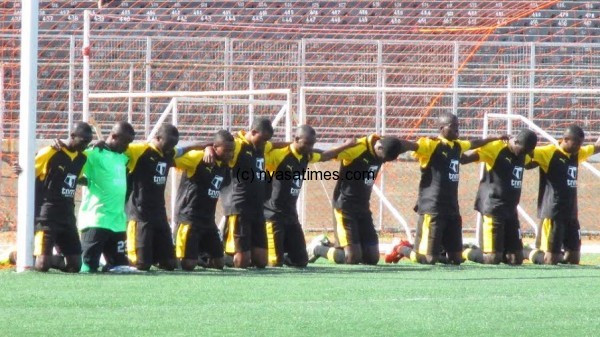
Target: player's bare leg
[[241, 259], [216, 263], [43, 263], [514, 258], [259, 257], [423, 259], [370, 254], [189, 264], [455, 258], [353, 254], [492, 258], [572, 257], [552, 258], [73, 263], [167, 264]]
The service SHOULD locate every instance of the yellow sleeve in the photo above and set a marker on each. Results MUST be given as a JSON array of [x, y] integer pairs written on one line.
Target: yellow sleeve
[[543, 154], [133, 152], [425, 149], [236, 152], [348, 155], [585, 152], [41, 161], [274, 157], [465, 145], [489, 152], [268, 147], [189, 161], [528, 159], [315, 157]]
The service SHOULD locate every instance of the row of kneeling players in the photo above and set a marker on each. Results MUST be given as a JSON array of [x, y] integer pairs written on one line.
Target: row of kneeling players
[[123, 217]]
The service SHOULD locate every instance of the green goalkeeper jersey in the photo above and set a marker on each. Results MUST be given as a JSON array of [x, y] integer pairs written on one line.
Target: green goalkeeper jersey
[[103, 199]]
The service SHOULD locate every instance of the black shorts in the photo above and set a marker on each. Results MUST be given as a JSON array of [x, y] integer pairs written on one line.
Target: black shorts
[[285, 236], [501, 234], [194, 238], [149, 242], [102, 241], [435, 231], [354, 228], [244, 232], [64, 236], [557, 234]]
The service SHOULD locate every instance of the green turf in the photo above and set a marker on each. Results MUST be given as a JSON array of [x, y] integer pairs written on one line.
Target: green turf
[[322, 300]]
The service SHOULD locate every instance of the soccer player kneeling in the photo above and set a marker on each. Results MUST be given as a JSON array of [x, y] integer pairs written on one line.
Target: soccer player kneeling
[[197, 198], [557, 199], [356, 238], [285, 238], [498, 197], [57, 172]]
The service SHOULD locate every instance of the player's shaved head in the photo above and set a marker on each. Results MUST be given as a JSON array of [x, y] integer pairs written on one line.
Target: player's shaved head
[[262, 125], [446, 118], [575, 131], [222, 136], [224, 145], [82, 129], [123, 128], [572, 139], [121, 135], [448, 124], [304, 131], [391, 147], [305, 139], [167, 130], [528, 139]]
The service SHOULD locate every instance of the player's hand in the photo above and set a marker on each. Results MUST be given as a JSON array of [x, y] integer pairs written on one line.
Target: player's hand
[[58, 144], [99, 144], [209, 155], [16, 168], [349, 142]]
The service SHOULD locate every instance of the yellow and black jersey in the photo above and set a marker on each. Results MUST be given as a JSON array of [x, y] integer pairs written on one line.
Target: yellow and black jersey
[[440, 170], [358, 171], [56, 175], [286, 166], [246, 193], [148, 171], [557, 196], [500, 187], [199, 188]]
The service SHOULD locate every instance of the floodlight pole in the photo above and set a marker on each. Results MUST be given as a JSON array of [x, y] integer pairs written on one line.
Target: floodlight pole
[[27, 125]]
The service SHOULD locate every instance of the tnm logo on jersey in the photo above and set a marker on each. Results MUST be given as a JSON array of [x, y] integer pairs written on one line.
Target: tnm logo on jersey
[[161, 171], [371, 174], [572, 176], [70, 183], [260, 167], [454, 167], [215, 191], [517, 180], [296, 185]]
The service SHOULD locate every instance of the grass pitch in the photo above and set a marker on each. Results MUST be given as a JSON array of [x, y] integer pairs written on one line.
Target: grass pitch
[[321, 300]]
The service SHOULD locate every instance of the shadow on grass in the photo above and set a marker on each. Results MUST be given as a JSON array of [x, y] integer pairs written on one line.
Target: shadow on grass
[[381, 270]]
